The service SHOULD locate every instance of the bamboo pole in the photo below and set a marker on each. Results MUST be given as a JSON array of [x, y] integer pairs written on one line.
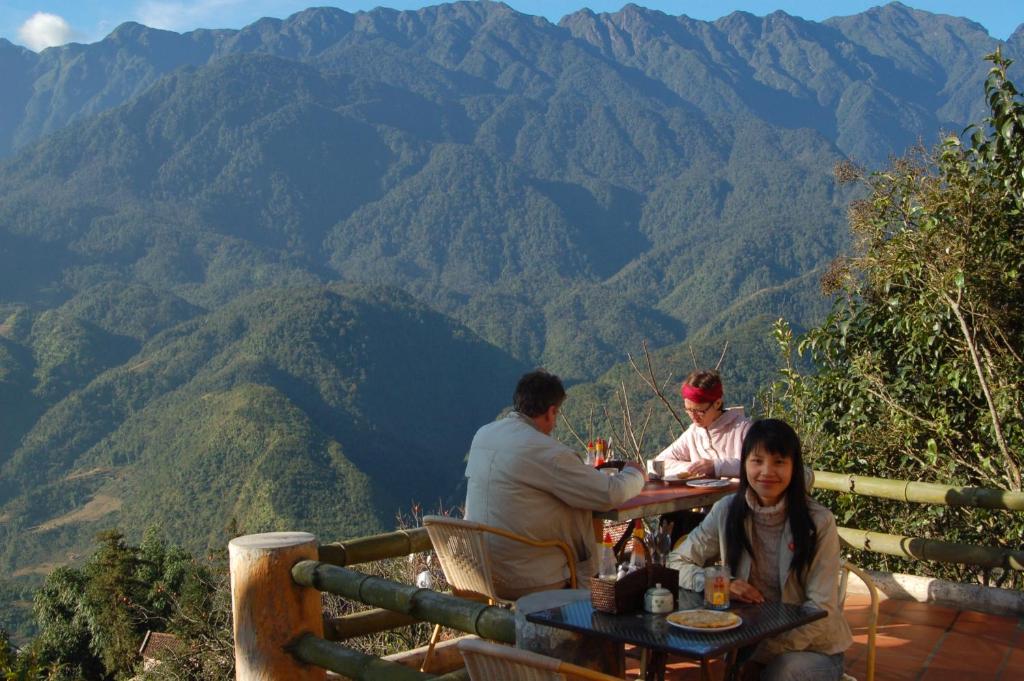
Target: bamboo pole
[[376, 547], [360, 666], [471, 617], [365, 623], [931, 549], [920, 492], [268, 609]]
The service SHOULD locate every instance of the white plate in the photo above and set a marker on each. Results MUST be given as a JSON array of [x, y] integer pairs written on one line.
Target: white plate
[[714, 482], [706, 630], [671, 478]]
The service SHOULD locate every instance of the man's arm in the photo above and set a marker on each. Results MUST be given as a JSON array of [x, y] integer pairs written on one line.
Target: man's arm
[[581, 486]]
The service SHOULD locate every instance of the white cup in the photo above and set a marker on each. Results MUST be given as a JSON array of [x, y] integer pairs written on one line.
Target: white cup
[[656, 467]]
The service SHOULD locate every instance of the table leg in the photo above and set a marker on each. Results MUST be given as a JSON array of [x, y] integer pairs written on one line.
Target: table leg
[[734, 661], [658, 661]]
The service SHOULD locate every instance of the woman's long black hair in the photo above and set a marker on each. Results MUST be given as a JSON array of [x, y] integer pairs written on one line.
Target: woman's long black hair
[[774, 437]]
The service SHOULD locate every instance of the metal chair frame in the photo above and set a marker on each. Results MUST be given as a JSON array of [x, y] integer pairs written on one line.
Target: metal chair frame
[[469, 576], [845, 568]]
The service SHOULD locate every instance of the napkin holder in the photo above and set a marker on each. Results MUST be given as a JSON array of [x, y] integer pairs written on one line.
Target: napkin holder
[[627, 594]]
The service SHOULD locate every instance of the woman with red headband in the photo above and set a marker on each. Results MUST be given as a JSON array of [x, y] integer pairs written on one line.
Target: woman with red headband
[[711, 446]]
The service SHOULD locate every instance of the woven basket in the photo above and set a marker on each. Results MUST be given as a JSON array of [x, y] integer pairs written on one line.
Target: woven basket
[[627, 594]]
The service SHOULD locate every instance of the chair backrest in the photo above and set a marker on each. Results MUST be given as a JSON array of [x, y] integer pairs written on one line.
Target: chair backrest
[[487, 661], [462, 552], [845, 568]]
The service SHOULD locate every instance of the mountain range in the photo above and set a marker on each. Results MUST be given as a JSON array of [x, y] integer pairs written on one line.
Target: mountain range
[[277, 276]]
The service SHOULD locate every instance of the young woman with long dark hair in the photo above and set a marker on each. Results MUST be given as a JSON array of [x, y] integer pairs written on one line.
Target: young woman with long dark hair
[[779, 545]]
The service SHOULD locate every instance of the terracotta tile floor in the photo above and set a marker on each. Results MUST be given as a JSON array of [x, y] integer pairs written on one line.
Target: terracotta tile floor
[[918, 642]]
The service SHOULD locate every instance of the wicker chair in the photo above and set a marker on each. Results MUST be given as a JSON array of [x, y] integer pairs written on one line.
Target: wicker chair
[[845, 568], [462, 552], [487, 661]]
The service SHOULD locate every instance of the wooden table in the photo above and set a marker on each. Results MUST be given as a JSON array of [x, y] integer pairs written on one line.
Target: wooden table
[[655, 634], [659, 497]]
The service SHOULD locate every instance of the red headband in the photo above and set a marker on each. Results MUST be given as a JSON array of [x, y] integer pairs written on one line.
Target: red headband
[[701, 395]]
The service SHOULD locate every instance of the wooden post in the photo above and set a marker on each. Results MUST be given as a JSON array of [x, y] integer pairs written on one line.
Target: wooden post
[[269, 610]]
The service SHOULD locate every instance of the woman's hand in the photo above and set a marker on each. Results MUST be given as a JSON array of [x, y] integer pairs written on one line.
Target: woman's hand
[[705, 468], [744, 593]]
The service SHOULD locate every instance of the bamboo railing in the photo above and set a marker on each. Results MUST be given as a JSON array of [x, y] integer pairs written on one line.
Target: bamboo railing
[[426, 605], [918, 548], [272, 572], [921, 492], [376, 547]]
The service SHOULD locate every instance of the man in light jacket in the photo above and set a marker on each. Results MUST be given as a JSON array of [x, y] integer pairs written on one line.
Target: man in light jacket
[[522, 480]]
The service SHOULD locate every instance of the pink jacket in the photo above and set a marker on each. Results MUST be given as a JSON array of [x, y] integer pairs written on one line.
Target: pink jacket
[[721, 442]]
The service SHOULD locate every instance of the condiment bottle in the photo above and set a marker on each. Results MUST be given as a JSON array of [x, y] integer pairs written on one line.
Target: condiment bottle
[[607, 567], [638, 559]]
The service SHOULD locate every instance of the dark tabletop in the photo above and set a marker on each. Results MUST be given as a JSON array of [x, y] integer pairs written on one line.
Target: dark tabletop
[[655, 633]]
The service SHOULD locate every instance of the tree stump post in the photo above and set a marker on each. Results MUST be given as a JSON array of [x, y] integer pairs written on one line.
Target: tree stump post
[[269, 610]]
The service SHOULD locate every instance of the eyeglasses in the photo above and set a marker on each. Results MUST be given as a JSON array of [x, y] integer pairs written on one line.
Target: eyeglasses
[[694, 411]]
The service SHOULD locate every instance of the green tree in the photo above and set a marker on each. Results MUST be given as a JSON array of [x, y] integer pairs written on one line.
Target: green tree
[[92, 620], [17, 665], [919, 365], [115, 600], [64, 638]]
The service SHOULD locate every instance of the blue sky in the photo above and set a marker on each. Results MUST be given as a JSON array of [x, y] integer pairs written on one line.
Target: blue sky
[[39, 23]]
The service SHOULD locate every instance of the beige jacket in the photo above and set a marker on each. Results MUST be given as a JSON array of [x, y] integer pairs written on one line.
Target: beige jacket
[[706, 545], [526, 482]]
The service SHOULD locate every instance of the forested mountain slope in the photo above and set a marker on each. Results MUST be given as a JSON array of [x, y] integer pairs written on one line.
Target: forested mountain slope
[[323, 408], [616, 177]]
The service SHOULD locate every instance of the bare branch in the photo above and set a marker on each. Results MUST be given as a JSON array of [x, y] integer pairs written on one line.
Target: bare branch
[[611, 425], [652, 382], [725, 349], [629, 419], [568, 424], [1014, 471], [693, 357], [643, 433], [627, 424]]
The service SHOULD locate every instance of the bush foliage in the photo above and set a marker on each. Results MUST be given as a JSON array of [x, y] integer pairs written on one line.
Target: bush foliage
[[919, 368]]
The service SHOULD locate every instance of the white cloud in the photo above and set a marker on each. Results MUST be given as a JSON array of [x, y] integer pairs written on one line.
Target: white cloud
[[44, 30]]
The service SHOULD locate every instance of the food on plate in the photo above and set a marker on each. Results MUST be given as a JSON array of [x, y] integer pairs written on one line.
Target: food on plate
[[684, 475], [704, 619]]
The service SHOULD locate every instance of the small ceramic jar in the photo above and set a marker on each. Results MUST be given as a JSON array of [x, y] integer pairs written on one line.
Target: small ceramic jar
[[658, 600]]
